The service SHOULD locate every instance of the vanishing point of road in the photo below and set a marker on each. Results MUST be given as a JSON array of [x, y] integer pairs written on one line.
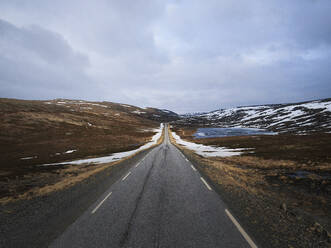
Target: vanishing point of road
[[162, 201]]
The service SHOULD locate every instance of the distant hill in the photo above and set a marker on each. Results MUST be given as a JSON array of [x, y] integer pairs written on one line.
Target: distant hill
[[44, 131], [303, 117], [73, 106]]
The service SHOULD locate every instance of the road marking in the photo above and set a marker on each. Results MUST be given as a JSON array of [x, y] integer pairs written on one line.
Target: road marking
[[186, 159], [146, 155], [193, 168], [207, 185], [143, 159], [96, 208], [241, 230], [126, 176]]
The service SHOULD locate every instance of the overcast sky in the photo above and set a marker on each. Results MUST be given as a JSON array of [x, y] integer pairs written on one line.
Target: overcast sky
[[185, 56]]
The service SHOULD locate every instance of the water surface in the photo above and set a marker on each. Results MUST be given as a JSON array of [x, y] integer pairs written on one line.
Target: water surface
[[229, 131]]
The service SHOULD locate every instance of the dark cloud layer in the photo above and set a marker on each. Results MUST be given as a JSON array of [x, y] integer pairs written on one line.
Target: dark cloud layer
[[38, 63], [182, 55]]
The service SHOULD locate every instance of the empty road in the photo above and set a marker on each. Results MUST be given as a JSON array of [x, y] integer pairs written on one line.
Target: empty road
[[160, 202]]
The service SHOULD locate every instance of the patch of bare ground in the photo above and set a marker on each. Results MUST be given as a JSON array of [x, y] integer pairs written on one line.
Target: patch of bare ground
[[40, 132], [281, 192]]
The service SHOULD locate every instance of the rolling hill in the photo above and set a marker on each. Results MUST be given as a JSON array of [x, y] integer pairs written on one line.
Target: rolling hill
[[37, 132], [303, 117]]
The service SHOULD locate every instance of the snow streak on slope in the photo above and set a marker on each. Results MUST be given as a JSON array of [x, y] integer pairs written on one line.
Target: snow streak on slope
[[112, 109], [300, 117]]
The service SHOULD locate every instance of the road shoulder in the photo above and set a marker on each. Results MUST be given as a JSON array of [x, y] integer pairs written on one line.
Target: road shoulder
[[266, 219], [36, 222]]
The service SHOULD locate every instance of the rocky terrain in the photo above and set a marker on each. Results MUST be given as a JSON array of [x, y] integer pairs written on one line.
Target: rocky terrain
[[304, 117]]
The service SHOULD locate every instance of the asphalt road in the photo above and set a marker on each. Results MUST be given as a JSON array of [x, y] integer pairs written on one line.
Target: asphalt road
[[162, 201]]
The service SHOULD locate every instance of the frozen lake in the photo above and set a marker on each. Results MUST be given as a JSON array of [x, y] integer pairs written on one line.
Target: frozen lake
[[230, 131]]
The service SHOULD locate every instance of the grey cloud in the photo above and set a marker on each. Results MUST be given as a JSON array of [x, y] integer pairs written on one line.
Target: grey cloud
[[38, 42], [35, 61], [231, 27], [182, 55]]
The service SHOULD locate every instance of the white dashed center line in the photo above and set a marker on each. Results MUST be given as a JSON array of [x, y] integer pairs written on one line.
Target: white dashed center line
[[126, 176], [207, 185], [241, 230], [99, 205], [193, 168]]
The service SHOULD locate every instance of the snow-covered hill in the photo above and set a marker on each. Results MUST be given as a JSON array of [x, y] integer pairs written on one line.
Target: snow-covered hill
[[295, 117]]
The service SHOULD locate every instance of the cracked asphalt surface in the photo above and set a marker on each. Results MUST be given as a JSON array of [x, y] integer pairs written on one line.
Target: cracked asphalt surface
[[161, 202]]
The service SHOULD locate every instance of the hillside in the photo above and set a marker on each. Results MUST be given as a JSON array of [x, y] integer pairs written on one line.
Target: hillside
[[34, 133], [287, 175], [45, 130], [313, 116]]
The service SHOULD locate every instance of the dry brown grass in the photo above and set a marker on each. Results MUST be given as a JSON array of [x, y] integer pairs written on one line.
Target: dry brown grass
[[46, 131], [55, 180], [33, 128], [253, 173], [310, 149], [257, 183]]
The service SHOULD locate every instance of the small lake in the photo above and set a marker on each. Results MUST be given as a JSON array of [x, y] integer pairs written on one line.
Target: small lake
[[229, 131]]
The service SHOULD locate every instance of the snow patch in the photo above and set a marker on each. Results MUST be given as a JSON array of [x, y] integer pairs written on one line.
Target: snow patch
[[208, 151], [28, 158], [98, 105], [138, 112], [270, 116], [115, 156], [69, 151], [124, 105]]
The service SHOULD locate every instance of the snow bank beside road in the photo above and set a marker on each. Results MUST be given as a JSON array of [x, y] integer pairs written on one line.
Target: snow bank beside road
[[208, 151], [116, 156]]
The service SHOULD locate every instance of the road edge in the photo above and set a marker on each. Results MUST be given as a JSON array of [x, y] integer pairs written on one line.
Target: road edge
[[253, 240], [37, 221]]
